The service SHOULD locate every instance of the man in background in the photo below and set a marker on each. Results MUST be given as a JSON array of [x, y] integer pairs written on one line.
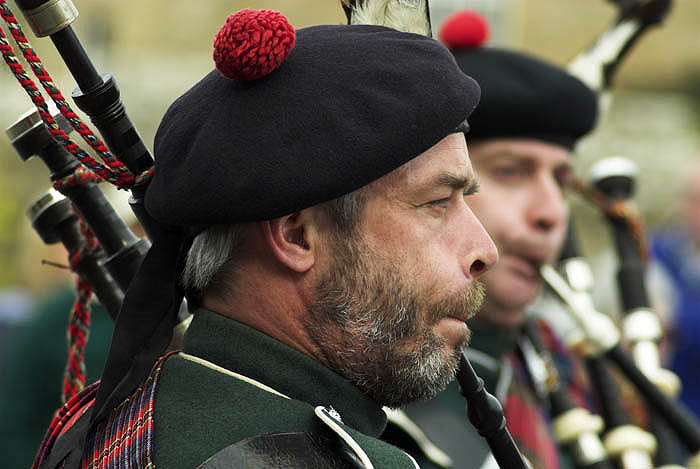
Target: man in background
[[522, 135]]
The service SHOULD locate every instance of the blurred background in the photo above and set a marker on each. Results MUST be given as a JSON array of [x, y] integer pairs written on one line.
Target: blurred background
[[157, 49]]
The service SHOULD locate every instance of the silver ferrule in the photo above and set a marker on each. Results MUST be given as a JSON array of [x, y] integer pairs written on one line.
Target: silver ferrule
[[51, 17], [31, 119], [23, 124], [694, 461], [590, 64], [48, 199], [632, 446]]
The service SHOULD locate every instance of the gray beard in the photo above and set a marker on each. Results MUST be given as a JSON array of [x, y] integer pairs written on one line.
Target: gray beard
[[375, 329]]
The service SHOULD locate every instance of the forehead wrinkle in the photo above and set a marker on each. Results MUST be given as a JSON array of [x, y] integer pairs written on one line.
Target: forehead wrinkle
[[405, 176]]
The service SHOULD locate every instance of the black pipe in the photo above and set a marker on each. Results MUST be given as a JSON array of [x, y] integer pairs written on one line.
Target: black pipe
[[674, 413], [643, 14], [53, 218], [99, 97], [76, 59], [631, 277], [124, 251], [604, 386], [486, 414], [612, 411]]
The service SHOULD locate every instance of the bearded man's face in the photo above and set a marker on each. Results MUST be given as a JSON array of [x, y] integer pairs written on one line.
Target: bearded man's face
[[376, 328], [392, 296]]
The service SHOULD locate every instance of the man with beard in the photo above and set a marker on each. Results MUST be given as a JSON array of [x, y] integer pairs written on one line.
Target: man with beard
[[529, 119], [334, 264]]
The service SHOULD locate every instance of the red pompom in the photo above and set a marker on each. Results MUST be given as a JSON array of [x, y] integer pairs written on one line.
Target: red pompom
[[252, 44], [465, 29]]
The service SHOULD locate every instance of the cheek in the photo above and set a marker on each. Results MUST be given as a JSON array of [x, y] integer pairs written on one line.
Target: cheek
[[558, 241], [448, 253]]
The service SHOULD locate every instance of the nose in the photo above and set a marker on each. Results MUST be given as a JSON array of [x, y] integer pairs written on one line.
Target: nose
[[483, 253], [548, 210]]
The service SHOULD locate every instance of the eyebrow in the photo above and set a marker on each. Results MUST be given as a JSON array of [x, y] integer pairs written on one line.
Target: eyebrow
[[521, 158], [469, 185]]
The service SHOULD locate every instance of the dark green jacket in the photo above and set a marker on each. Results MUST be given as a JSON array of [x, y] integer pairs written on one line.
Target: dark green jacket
[[205, 400]]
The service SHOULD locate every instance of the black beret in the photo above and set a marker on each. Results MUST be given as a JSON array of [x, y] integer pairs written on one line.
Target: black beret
[[524, 97], [349, 105]]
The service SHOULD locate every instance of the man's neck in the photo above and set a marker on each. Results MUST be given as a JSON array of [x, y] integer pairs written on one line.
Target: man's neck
[[492, 339], [500, 315], [270, 310]]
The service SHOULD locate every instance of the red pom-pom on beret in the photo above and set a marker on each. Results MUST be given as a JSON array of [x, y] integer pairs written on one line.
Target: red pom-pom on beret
[[252, 44], [465, 29]]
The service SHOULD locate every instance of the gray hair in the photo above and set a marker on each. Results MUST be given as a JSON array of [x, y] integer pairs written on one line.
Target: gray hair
[[345, 211], [213, 259]]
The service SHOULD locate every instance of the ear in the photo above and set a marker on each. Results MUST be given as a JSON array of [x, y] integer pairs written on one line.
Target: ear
[[292, 239]]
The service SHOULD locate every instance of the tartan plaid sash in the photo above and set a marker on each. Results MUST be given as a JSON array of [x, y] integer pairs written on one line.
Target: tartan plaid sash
[[527, 421], [122, 441]]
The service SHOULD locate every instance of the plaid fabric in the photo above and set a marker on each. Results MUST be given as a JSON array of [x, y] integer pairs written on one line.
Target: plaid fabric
[[63, 420], [125, 439], [527, 420], [122, 441], [571, 370], [527, 416]]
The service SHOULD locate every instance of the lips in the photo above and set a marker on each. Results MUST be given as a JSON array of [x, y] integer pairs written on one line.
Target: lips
[[453, 329], [527, 266], [456, 318]]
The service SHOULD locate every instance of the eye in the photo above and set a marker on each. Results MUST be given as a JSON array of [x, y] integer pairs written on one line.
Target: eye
[[565, 180], [442, 203], [509, 172]]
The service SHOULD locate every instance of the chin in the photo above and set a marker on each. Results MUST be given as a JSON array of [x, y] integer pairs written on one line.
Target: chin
[[505, 304], [507, 315], [511, 319]]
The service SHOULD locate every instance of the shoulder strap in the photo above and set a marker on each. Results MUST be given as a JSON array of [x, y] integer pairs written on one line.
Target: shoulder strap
[[284, 451], [113, 441], [68, 425], [446, 431]]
